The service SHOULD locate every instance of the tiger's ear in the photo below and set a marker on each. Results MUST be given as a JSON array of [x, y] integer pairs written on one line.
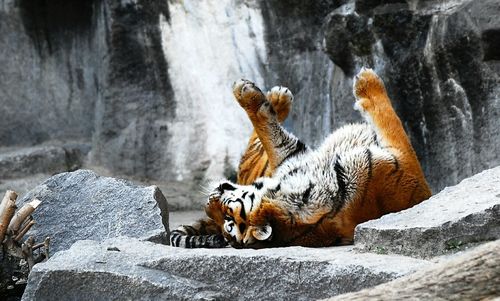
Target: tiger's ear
[[262, 232]]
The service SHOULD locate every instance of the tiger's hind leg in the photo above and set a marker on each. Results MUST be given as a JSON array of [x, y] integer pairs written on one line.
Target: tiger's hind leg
[[276, 141], [375, 106], [255, 163]]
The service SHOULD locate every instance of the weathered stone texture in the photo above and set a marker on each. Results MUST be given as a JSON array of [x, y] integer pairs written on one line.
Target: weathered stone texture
[[454, 219], [124, 268], [82, 205]]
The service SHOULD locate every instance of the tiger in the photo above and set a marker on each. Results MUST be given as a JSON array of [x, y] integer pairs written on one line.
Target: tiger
[[288, 194]]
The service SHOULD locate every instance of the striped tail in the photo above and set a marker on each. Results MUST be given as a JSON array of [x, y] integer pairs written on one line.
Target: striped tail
[[202, 234]]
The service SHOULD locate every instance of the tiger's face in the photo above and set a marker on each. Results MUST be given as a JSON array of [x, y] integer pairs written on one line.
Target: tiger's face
[[231, 206]]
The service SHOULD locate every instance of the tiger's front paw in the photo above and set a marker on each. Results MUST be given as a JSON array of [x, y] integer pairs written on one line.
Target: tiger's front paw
[[213, 207], [368, 89], [281, 99], [248, 95]]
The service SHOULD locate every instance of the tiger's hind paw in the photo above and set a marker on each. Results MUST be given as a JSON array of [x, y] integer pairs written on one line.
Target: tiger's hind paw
[[368, 89], [281, 98]]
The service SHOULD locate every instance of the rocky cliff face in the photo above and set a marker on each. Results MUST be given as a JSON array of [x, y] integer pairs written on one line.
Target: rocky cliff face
[[440, 61], [147, 84]]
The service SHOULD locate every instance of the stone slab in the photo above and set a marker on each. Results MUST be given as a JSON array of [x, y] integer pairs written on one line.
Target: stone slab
[[130, 269], [455, 218]]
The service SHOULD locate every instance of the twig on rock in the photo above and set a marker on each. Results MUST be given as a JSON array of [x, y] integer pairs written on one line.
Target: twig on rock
[[27, 248], [7, 210], [22, 214], [14, 225], [23, 231]]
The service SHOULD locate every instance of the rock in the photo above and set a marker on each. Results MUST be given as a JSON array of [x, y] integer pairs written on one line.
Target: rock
[[125, 268], [82, 205], [473, 275], [454, 219], [50, 159]]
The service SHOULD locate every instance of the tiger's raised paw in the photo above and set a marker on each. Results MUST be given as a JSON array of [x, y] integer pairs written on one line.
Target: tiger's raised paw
[[248, 95], [368, 89], [281, 98]]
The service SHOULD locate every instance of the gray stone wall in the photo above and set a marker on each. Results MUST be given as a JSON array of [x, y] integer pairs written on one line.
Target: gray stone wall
[[51, 71]]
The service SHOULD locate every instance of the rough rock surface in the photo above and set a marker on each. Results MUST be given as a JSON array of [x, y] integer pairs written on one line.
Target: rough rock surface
[[22, 162], [471, 275], [82, 205], [454, 219], [147, 271]]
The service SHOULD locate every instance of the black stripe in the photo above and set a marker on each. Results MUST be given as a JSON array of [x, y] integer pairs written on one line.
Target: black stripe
[[252, 197], [275, 189], [375, 139], [282, 144], [370, 163], [341, 178], [177, 241], [307, 193], [243, 214], [226, 186], [188, 241], [244, 194], [258, 185], [299, 148], [172, 236]]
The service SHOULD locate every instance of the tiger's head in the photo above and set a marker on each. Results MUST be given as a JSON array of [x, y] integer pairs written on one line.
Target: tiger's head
[[232, 207]]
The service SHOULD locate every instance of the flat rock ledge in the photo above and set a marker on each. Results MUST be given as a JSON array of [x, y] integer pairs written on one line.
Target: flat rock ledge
[[83, 205], [456, 218], [131, 269], [47, 159]]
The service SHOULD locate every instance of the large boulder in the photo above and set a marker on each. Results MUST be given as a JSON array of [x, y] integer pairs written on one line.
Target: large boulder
[[456, 218], [129, 269], [83, 205]]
